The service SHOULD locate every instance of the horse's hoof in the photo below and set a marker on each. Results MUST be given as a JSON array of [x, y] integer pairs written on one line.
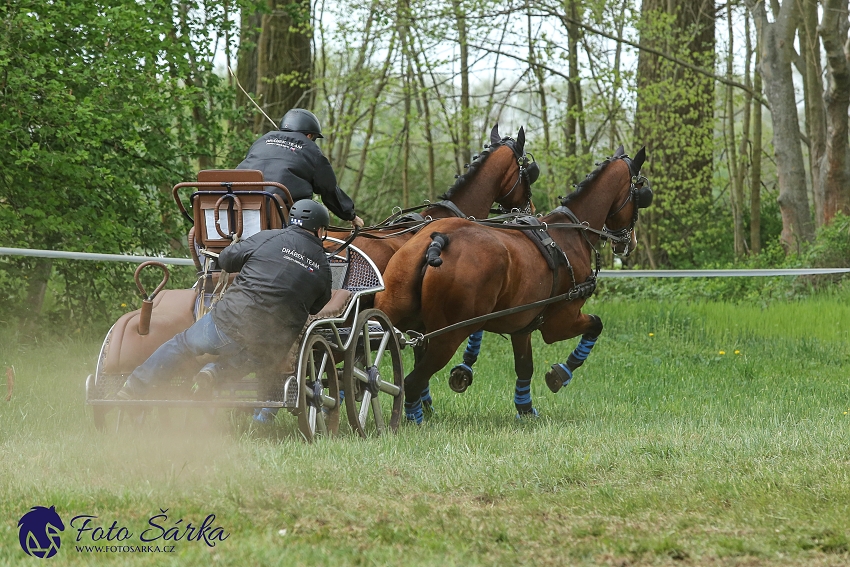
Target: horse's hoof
[[530, 413], [460, 378], [558, 377]]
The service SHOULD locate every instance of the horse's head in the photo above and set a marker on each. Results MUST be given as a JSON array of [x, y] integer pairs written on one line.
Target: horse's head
[[502, 173], [521, 173], [621, 219]]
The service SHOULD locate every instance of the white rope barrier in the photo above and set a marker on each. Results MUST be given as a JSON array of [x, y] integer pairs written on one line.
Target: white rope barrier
[[62, 255], [602, 273], [719, 273]]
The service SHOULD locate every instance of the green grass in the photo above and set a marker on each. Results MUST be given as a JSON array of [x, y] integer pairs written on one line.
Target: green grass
[[661, 452]]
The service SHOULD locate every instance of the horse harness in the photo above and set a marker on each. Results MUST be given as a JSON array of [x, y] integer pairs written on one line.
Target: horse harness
[[555, 257], [538, 232]]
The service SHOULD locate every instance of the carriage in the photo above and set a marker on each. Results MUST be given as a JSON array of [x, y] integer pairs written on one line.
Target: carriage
[[347, 354]]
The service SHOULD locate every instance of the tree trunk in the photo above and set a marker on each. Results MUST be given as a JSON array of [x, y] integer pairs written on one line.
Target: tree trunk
[[465, 152], [571, 125], [615, 87], [755, 173], [675, 120], [737, 187], [246, 66], [284, 61], [36, 290], [777, 45], [834, 33], [813, 91], [745, 135]]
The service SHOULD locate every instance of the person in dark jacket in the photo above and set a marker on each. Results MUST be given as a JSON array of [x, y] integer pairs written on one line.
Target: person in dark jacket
[[284, 276], [291, 157]]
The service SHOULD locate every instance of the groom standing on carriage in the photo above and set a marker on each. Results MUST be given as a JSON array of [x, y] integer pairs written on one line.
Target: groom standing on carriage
[[290, 156]]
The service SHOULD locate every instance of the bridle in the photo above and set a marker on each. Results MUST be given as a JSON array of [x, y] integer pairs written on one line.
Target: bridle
[[529, 170], [640, 194]]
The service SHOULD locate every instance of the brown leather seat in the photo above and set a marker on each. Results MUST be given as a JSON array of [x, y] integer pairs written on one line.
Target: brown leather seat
[[336, 306], [258, 211], [172, 313]]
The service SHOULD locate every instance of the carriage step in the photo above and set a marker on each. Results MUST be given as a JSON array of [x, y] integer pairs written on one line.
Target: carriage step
[[290, 392]]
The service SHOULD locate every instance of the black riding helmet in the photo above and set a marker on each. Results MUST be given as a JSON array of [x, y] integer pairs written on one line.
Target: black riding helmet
[[309, 214], [300, 120]]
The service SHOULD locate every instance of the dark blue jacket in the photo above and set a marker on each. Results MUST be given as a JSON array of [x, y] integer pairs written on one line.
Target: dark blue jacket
[[283, 276], [293, 159]]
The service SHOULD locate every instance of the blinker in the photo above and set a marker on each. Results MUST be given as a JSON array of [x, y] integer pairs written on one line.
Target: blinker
[[644, 195], [533, 172]]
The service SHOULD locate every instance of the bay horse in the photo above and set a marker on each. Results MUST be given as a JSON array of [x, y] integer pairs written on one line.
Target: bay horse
[[502, 173], [446, 280]]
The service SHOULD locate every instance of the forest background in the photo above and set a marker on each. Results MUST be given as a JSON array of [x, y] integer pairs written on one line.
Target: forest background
[[104, 106]]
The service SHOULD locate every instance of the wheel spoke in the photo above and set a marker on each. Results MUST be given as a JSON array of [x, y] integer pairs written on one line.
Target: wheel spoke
[[379, 416], [379, 356], [322, 426], [367, 346], [361, 375], [311, 419], [321, 371], [364, 407], [389, 388]]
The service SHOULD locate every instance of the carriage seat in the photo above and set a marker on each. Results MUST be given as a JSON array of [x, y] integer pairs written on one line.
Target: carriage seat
[[259, 211], [336, 306]]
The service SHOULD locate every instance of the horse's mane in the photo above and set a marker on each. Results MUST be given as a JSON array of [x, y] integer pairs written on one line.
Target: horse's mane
[[474, 166], [588, 180]]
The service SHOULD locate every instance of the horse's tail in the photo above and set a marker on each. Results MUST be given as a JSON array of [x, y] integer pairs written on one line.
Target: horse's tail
[[438, 242]]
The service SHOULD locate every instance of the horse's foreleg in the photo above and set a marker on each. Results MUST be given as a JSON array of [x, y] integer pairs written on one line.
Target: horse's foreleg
[[561, 374], [524, 367], [461, 375]]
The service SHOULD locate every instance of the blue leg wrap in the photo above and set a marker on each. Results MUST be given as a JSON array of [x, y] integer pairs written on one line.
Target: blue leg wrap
[[579, 355], [427, 403], [413, 412], [265, 415], [522, 396], [473, 347]]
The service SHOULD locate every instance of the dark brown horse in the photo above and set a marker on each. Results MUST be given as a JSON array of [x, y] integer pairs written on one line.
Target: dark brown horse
[[457, 271], [502, 173]]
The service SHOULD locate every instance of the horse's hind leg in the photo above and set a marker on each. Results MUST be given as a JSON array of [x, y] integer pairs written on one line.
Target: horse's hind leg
[[427, 402], [524, 367], [461, 375], [561, 374], [428, 361]]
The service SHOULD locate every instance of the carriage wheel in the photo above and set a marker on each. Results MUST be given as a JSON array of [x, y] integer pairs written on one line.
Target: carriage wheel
[[373, 375], [101, 386], [318, 390]]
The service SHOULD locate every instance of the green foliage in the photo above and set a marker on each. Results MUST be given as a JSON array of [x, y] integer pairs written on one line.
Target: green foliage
[[104, 106], [831, 249]]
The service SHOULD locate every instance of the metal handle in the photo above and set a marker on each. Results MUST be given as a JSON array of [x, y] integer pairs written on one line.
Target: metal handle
[[147, 302]]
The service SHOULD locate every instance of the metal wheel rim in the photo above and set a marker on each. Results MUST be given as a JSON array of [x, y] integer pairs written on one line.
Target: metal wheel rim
[[358, 358], [317, 362]]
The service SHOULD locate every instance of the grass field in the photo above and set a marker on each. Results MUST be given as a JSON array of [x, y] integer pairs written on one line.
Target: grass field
[[707, 434]]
